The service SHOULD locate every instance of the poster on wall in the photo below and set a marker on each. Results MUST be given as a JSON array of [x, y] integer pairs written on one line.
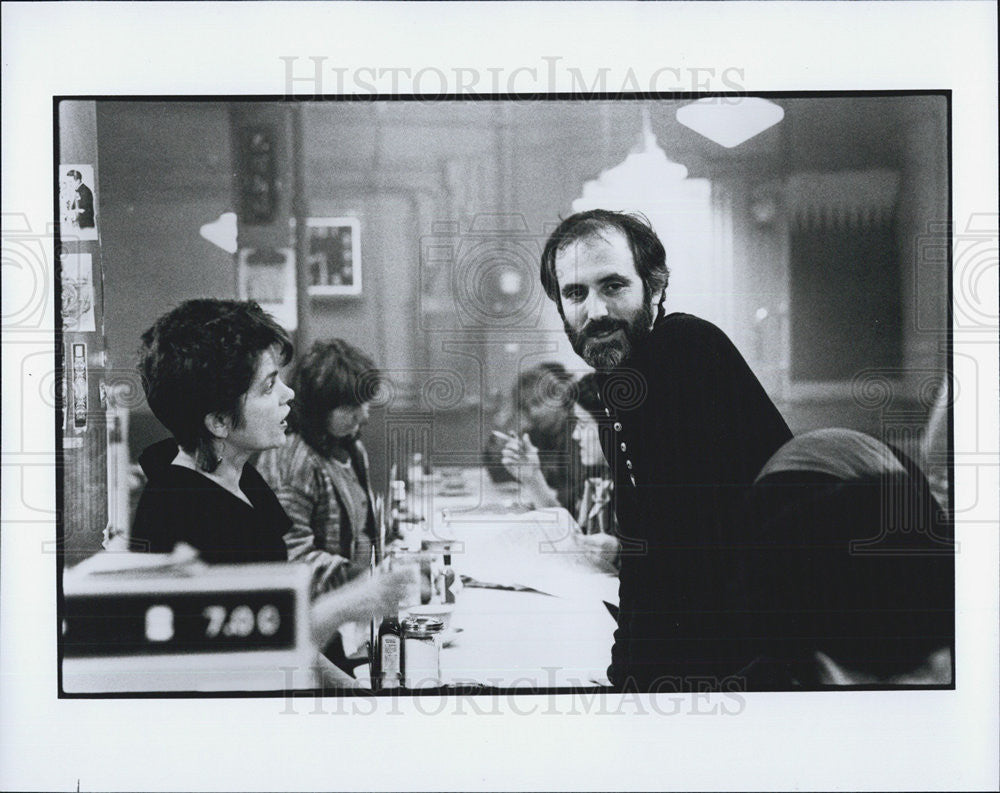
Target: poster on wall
[[333, 263], [267, 275], [77, 202], [77, 280]]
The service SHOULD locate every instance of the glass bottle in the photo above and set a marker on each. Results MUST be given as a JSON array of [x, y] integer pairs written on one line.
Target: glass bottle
[[389, 668], [446, 580], [397, 505]]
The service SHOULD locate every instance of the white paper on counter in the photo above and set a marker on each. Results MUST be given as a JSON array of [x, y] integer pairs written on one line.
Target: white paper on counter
[[542, 549]]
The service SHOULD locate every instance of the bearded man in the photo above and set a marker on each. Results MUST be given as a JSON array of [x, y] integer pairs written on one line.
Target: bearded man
[[690, 427]]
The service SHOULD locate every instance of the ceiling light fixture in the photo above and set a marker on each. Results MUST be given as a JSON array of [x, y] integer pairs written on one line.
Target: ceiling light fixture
[[728, 121]]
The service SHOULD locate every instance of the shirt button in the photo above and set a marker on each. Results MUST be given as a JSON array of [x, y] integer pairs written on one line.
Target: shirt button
[[633, 479], [618, 426], [628, 464], [623, 447]]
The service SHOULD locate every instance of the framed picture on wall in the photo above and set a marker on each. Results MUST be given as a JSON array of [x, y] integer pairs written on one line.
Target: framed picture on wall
[[333, 256]]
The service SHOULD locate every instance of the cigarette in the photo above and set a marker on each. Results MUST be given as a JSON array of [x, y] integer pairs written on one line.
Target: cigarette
[[504, 436]]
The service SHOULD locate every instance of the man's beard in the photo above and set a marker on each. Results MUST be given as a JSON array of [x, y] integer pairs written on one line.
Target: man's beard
[[609, 353]]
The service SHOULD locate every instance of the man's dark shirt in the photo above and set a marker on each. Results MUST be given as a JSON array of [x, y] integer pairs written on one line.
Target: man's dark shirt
[[689, 427]]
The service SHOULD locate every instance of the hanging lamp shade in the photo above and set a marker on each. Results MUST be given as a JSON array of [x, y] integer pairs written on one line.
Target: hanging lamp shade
[[730, 122]]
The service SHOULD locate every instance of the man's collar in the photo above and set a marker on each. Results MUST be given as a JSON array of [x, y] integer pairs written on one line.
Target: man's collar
[[638, 354]]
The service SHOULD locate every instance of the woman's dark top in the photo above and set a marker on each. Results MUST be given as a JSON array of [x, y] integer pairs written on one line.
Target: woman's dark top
[[181, 505]]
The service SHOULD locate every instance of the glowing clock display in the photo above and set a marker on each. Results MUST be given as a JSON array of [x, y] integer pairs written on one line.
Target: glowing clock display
[[188, 622]]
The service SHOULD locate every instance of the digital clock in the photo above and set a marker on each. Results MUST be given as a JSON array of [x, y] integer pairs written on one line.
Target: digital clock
[[239, 627], [157, 623]]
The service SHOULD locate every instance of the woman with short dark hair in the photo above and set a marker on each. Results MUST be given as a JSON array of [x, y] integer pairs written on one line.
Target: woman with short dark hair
[[210, 369], [211, 374]]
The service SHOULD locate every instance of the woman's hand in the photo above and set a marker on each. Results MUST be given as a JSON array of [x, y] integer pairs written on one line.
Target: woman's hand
[[601, 549], [389, 587], [520, 458], [362, 599]]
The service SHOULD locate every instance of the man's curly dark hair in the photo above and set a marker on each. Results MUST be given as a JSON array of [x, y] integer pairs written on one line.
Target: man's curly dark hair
[[648, 254]]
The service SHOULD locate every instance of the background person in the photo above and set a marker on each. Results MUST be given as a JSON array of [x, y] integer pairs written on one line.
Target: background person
[[596, 513], [850, 569], [321, 475], [551, 476], [523, 460], [594, 510]]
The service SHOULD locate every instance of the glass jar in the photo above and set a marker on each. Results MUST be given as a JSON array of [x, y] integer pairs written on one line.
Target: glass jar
[[422, 652]]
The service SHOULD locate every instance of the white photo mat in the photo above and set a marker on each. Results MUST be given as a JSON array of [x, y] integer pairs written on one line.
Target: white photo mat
[[872, 740]]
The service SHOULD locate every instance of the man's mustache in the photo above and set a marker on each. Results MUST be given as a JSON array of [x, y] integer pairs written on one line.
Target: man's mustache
[[599, 326]]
